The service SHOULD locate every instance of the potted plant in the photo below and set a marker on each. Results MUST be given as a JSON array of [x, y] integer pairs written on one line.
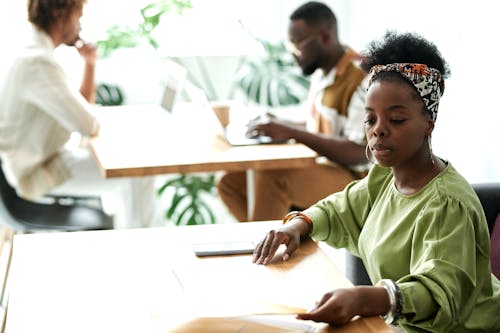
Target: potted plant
[[187, 205], [118, 37], [273, 80]]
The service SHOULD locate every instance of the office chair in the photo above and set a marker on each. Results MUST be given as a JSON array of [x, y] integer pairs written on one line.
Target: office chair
[[489, 195], [23, 215]]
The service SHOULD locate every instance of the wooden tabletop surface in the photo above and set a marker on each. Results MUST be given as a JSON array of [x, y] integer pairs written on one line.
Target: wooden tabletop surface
[[149, 280], [145, 140]]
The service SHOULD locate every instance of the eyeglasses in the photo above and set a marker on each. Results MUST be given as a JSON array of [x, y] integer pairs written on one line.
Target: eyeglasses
[[296, 48]]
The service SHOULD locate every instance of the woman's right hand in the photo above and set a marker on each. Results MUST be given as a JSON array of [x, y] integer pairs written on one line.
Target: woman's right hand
[[289, 235]]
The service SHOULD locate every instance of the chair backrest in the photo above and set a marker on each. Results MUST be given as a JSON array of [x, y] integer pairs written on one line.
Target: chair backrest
[[7, 196], [21, 214], [8, 193], [489, 195], [495, 248]]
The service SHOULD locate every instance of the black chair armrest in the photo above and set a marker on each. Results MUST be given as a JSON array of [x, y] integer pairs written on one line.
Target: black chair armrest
[[355, 270], [489, 195]]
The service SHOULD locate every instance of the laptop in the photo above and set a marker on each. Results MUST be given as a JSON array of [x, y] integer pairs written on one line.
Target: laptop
[[236, 132], [240, 135], [172, 83]]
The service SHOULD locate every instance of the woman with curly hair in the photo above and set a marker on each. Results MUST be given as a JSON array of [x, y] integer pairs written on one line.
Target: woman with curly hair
[[39, 112], [415, 222]]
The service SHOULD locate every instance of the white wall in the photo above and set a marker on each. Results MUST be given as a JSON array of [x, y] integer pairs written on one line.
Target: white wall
[[468, 126], [466, 32]]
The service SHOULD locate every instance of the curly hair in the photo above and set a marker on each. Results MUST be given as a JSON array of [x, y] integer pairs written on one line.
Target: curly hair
[[404, 48], [43, 13]]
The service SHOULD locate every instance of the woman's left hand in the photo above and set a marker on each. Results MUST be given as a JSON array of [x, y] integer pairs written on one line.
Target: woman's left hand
[[336, 307], [339, 306]]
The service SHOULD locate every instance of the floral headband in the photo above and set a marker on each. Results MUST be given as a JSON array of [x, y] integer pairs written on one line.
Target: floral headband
[[427, 80]]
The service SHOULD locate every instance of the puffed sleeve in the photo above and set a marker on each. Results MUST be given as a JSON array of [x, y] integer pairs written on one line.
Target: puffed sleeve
[[443, 269], [339, 218]]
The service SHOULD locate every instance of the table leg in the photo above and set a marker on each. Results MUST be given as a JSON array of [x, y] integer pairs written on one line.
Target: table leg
[[250, 193]]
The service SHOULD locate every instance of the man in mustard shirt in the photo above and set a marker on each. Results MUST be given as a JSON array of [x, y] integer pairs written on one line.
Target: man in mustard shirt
[[334, 129]]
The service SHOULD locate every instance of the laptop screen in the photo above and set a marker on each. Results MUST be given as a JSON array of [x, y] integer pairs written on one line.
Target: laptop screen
[[173, 83]]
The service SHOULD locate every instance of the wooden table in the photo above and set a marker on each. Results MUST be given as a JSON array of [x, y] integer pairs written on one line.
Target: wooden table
[[147, 140], [149, 280]]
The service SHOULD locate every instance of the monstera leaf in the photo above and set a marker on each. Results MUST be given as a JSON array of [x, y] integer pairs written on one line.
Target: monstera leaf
[[274, 80], [187, 206], [109, 94]]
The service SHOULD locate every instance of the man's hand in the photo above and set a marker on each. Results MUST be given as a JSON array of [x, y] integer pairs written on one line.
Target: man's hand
[[87, 51], [270, 126], [89, 54]]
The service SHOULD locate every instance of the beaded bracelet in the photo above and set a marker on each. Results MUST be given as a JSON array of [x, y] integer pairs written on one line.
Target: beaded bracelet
[[295, 213], [399, 302], [395, 300]]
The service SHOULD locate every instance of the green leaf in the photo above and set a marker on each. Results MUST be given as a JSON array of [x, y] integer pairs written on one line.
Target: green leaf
[[253, 92], [187, 201], [174, 182], [153, 42], [274, 80], [208, 210], [108, 94], [127, 37], [176, 200], [180, 218]]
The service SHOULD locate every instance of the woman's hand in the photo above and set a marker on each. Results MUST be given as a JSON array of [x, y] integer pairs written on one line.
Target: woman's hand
[[288, 235], [339, 306]]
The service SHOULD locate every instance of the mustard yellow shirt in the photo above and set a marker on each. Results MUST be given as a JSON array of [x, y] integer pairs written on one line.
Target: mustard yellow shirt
[[434, 244]]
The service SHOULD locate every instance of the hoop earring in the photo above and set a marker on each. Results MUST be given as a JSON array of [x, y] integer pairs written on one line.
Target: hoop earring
[[368, 153], [430, 150]]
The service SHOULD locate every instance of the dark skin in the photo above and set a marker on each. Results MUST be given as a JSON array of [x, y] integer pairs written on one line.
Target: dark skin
[[398, 136], [317, 47], [396, 128]]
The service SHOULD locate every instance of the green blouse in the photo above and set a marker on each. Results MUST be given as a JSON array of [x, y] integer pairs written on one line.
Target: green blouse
[[435, 244]]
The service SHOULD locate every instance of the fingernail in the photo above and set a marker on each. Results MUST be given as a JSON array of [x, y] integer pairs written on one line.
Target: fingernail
[[286, 256]]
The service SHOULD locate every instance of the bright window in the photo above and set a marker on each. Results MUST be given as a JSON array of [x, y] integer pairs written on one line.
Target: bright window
[[468, 125]]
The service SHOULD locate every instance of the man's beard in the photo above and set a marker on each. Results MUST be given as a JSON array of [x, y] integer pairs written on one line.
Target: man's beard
[[309, 69], [71, 40]]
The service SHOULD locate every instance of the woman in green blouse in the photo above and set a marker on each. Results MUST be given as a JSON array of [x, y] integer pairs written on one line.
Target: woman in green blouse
[[414, 220]]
